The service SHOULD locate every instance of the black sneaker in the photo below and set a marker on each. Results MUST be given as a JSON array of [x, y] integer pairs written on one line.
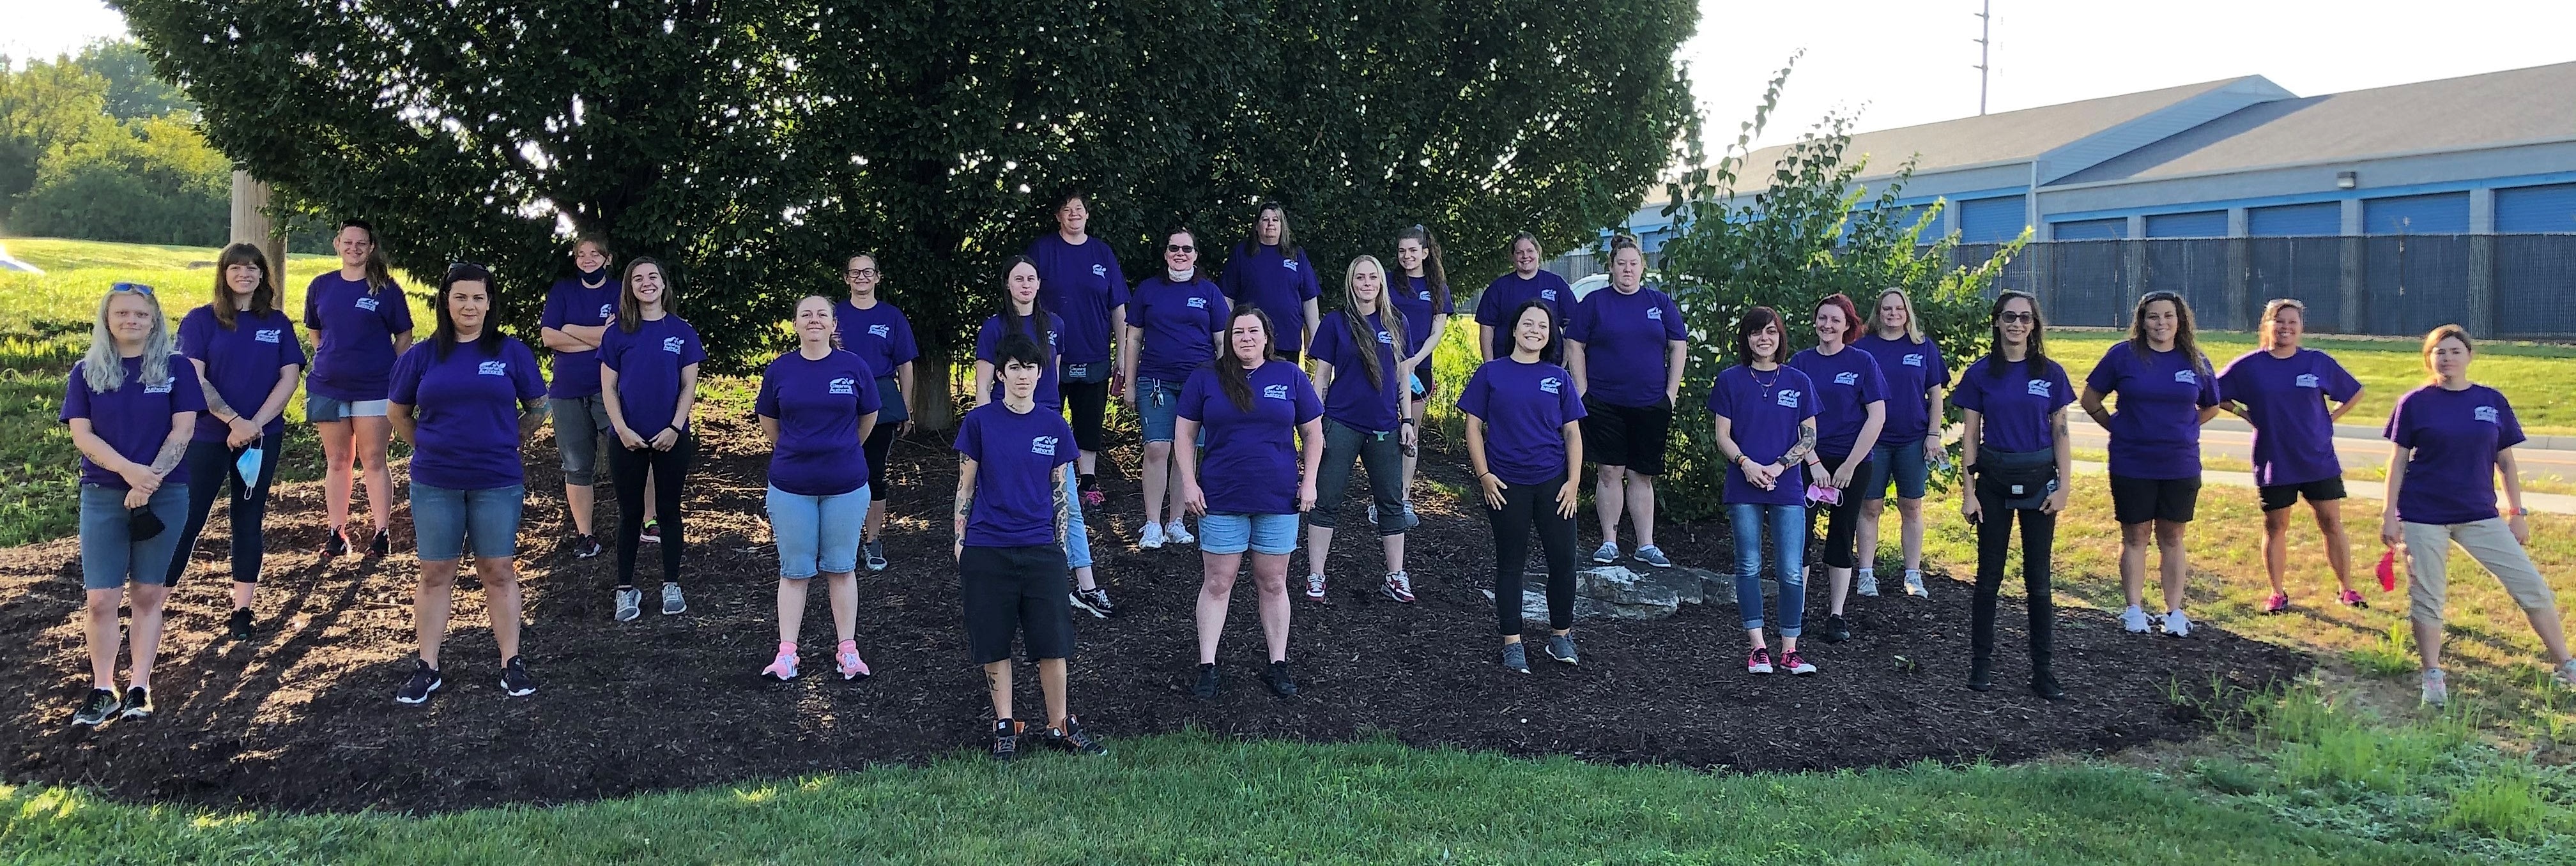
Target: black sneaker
[[585, 546], [424, 682], [1206, 687], [652, 532], [875, 551], [1981, 674], [1096, 601], [100, 707], [1836, 630], [335, 544], [1561, 648], [1278, 680], [1071, 738], [2044, 684], [240, 624], [515, 680], [138, 703], [383, 543], [1006, 739], [1516, 657]]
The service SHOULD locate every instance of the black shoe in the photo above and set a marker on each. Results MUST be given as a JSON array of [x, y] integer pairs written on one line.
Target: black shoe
[[1006, 739], [1206, 688], [584, 546], [336, 544], [241, 624], [515, 680], [1981, 674], [382, 545], [1071, 738], [1278, 680], [652, 532], [424, 682], [2044, 684], [100, 707], [1837, 629], [138, 703]]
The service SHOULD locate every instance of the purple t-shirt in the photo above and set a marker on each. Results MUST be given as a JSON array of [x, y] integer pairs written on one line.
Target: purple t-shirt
[[648, 364], [465, 432], [1508, 292], [2450, 477], [1015, 456], [1351, 400], [569, 302], [1525, 408], [134, 419], [2285, 399], [818, 404], [1178, 320], [2013, 407], [1912, 370], [879, 335], [1081, 284], [1764, 421], [353, 348], [1251, 462], [241, 363], [2155, 430], [1256, 275], [1627, 344], [1415, 301], [1846, 383], [988, 347]]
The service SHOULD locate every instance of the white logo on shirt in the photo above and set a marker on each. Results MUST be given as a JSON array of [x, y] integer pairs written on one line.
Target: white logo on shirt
[[879, 331], [1914, 360], [1547, 294], [1198, 303], [164, 388], [1551, 385], [1097, 271], [1275, 392], [673, 344], [1384, 337], [2487, 414], [1043, 445], [2307, 380], [1426, 294], [606, 311], [493, 368], [2186, 377], [1290, 264], [2038, 387], [367, 304], [1788, 398], [1846, 378], [845, 385], [1654, 314], [268, 336]]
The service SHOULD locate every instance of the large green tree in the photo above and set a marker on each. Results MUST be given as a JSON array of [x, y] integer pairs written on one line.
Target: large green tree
[[754, 143]]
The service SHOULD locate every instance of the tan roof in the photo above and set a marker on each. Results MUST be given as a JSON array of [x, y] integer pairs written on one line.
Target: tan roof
[[1993, 138]]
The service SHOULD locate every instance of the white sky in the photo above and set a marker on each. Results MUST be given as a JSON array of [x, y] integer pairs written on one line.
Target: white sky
[[1904, 62]]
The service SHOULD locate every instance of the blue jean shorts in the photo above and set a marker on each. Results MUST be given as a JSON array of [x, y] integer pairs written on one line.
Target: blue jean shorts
[[109, 553], [1900, 461], [1268, 534], [320, 409], [817, 534], [444, 522], [1158, 402]]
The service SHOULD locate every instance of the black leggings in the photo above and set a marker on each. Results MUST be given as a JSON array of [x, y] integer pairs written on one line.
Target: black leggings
[[879, 442], [1090, 404], [1526, 506], [210, 471], [1841, 521], [670, 473], [1994, 542]]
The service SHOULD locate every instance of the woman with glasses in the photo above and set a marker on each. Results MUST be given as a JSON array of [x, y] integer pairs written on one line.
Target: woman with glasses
[[1766, 427], [2017, 460], [1269, 272], [579, 311], [2167, 390], [360, 323], [1177, 327], [2282, 391], [247, 363], [648, 375], [1080, 282], [876, 331], [1422, 295], [132, 407]]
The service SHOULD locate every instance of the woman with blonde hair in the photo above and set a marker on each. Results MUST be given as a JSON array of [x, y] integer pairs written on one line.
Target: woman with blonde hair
[[1909, 439], [1367, 418], [2282, 390]]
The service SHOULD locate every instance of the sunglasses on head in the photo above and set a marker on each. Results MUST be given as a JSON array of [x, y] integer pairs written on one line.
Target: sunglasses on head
[[137, 288], [2160, 295]]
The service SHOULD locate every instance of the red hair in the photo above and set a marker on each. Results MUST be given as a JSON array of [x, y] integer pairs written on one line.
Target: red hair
[[1851, 313]]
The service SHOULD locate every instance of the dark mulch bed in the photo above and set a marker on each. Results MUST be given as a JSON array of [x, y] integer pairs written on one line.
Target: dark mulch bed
[[303, 718]]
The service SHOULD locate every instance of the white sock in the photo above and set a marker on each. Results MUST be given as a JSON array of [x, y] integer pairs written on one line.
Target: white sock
[[1913, 575], [1865, 574]]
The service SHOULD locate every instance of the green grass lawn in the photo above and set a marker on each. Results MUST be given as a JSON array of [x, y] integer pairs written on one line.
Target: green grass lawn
[[2536, 377]]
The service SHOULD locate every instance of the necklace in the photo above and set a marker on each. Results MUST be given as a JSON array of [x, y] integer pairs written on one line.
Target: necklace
[[1766, 386]]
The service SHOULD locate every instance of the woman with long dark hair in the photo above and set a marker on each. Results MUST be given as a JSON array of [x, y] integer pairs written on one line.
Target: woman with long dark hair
[[1851, 407], [579, 311], [817, 407], [1021, 315], [1525, 440], [466, 400], [648, 374], [248, 364], [1366, 419], [876, 331], [1265, 433], [2281, 390], [1766, 427], [2017, 462], [1080, 282], [1918, 377], [1269, 271], [1625, 346], [1178, 327], [1526, 282], [2167, 390], [1422, 295], [360, 323]]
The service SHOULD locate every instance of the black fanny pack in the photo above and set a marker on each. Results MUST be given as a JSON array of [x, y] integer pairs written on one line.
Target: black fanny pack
[[2023, 479]]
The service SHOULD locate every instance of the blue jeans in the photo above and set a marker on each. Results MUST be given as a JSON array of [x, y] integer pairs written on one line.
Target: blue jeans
[[1077, 537], [817, 533], [109, 553], [1788, 525], [444, 521]]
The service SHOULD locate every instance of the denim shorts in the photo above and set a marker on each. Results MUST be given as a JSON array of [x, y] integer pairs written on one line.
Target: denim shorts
[[109, 553], [578, 443], [1158, 402], [817, 534], [1269, 534], [1900, 461], [320, 409], [444, 522], [890, 406]]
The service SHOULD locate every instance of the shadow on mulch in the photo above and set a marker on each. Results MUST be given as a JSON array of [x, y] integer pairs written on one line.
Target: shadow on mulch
[[303, 718]]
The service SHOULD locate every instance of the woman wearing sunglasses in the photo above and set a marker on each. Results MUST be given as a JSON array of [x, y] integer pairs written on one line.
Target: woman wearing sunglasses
[[2016, 458], [1177, 324], [2167, 390]]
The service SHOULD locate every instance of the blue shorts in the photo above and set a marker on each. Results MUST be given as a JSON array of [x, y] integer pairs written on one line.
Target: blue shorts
[[817, 534], [1158, 402], [890, 406], [1901, 461], [443, 521], [1267, 534], [320, 409], [109, 553]]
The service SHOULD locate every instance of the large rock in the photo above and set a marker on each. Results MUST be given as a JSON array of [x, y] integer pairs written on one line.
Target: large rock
[[1534, 605]]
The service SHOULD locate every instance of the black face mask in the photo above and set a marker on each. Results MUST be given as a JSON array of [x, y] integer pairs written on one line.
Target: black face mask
[[142, 525]]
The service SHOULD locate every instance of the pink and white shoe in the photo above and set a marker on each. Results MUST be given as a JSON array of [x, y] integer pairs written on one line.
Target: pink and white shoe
[[1759, 662], [2278, 603], [2353, 599], [1399, 586], [782, 668], [1796, 664], [847, 659]]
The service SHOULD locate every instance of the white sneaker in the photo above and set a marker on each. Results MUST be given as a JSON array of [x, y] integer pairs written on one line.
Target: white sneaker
[[1315, 587], [2566, 674], [1152, 538], [2436, 691], [1914, 585], [2177, 624], [2134, 620], [1865, 582], [1178, 533]]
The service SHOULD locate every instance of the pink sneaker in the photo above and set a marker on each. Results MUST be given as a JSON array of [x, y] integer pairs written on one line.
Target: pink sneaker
[[2353, 599], [782, 668], [848, 657], [1796, 664], [2278, 603], [1759, 662]]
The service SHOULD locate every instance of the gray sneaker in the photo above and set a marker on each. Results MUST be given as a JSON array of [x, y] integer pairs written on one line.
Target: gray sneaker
[[101, 706], [1865, 582], [875, 555], [1515, 657], [630, 604], [1607, 553], [1914, 585], [1561, 648], [2436, 691], [673, 604], [1654, 556], [2566, 674]]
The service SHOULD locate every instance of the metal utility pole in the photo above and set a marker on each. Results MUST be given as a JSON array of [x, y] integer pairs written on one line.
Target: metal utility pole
[[1985, 44]]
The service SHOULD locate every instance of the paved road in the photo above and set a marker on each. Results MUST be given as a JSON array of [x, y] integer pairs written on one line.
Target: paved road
[[2228, 437]]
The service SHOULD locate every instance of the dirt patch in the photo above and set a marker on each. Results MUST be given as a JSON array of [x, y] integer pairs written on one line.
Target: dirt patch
[[303, 717]]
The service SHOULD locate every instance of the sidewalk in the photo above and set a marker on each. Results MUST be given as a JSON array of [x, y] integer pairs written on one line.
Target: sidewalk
[[2545, 503]]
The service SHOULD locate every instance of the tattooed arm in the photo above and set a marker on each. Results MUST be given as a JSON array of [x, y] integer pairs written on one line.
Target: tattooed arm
[[1806, 444], [965, 503], [1063, 516]]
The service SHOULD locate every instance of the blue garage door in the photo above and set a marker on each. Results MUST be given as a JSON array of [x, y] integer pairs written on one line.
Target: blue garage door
[[1991, 220], [2091, 230], [1903, 219], [2199, 224], [2536, 209], [2439, 214], [2295, 220]]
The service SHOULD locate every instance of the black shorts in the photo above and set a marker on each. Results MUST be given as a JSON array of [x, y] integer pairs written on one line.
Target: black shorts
[[1631, 436], [2280, 496], [2138, 500], [1015, 590]]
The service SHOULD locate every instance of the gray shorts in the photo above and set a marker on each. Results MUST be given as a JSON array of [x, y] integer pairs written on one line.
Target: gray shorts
[[580, 452]]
